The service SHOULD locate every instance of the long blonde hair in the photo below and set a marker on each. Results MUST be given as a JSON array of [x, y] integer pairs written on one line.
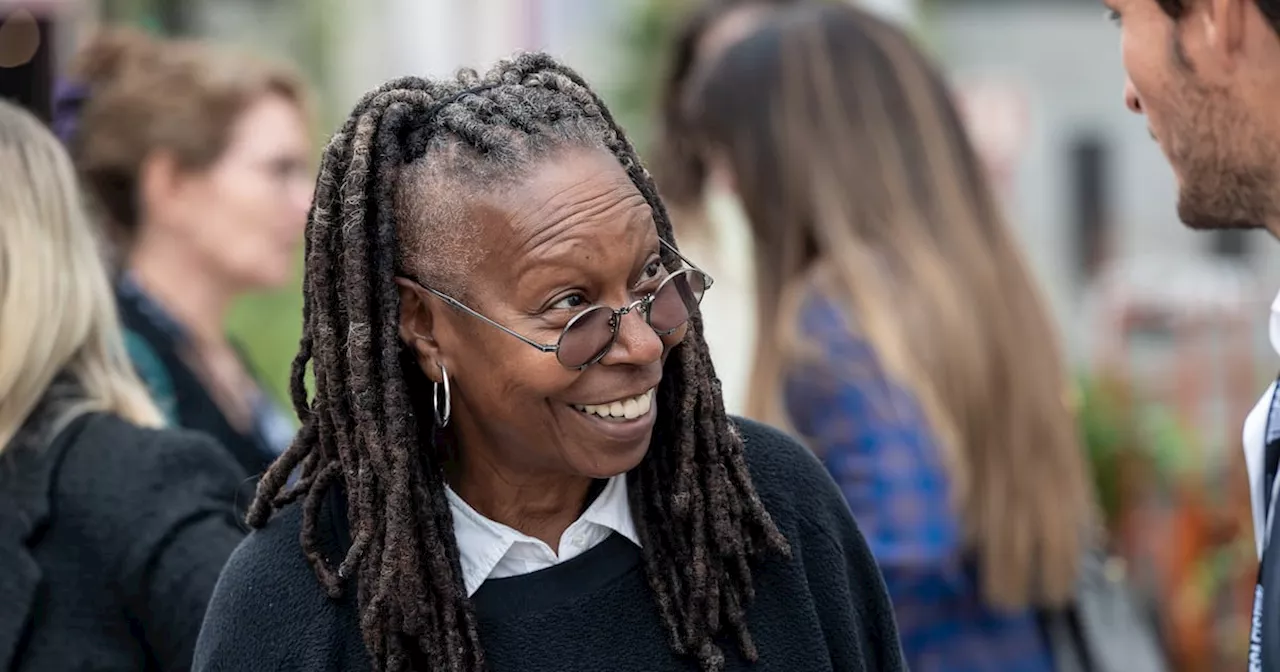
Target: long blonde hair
[[861, 184], [57, 311]]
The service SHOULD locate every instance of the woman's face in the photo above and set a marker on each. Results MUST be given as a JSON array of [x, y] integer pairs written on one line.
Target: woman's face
[[577, 233], [243, 217]]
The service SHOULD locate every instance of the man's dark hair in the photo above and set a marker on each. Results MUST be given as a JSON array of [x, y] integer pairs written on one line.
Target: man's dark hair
[[697, 513], [1269, 8]]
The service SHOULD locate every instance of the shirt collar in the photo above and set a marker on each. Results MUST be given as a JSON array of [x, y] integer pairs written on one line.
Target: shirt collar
[[1273, 326], [483, 543], [1255, 444]]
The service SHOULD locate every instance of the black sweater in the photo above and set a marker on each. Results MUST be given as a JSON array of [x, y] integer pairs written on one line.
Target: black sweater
[[824, 609]]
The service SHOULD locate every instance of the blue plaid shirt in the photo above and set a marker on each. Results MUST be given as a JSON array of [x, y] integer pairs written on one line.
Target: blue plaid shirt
[[875, 441]]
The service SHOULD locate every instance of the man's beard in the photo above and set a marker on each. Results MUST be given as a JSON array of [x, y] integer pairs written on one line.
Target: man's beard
[[1227, 172], [1226, 199]]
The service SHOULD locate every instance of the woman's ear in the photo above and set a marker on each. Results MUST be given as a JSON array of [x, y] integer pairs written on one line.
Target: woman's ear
[[417, 327], [160, 186]]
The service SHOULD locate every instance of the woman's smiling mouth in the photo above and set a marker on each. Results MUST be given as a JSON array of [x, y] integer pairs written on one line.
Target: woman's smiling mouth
[[621, 410]]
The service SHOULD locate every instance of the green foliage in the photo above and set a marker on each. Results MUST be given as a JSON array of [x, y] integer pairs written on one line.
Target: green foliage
[[645, 43], [269, 326], [1130, 444], [1106, 435]]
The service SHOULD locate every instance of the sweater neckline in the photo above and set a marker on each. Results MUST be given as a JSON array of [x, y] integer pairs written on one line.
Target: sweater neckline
[[541, 590]]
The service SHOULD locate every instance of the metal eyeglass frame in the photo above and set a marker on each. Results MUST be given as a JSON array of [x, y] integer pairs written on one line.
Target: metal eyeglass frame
[[644, 303]]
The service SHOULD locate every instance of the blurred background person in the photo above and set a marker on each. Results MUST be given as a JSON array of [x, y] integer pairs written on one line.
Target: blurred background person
[[197, 159], [1214, 117], [899, 331], [112, 534], [710, 225]]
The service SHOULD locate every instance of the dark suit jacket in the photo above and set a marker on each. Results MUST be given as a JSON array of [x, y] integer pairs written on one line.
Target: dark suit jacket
[[111, 540], [1270, 630]]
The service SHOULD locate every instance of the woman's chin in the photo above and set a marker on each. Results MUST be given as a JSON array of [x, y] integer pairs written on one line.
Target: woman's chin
[[611, 446]]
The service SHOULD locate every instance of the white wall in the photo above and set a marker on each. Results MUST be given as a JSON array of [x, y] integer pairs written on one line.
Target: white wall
[[388, 38], [1066, 59]]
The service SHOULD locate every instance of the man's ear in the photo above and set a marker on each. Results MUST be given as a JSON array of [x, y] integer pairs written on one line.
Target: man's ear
[[417, 327], [1223, 23]]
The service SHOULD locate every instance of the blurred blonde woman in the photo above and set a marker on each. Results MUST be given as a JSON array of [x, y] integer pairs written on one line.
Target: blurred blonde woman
[[112, 533], [899, 330]]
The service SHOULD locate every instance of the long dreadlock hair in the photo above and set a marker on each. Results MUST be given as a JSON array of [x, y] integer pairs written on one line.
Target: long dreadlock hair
[[697, 513]]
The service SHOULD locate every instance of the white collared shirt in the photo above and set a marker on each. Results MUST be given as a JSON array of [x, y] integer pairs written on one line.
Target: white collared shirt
[[1255, 444], [490, 550]]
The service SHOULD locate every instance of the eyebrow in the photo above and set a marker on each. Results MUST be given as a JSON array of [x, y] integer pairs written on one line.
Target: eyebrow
[[549, 267]]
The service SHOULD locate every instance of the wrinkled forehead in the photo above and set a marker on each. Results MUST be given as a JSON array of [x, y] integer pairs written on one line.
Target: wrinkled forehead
[[580, 199], [579, 208]]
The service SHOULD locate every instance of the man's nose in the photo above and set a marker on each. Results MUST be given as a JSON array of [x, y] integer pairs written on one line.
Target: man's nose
[[1131, 99]]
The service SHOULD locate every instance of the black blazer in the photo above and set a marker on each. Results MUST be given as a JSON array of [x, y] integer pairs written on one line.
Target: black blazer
[[111, 540]]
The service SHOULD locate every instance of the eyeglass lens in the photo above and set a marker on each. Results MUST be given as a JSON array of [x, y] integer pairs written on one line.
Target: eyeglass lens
[[591, 334]]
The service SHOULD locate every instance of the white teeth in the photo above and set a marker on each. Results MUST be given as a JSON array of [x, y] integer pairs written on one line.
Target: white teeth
[[623, 409]]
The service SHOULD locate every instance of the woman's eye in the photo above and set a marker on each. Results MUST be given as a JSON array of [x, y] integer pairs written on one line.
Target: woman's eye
[[570, 302], [653, 270]]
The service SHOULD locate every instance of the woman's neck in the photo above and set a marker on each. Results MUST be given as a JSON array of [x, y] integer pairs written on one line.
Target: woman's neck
[[198, 301], [542, 506]]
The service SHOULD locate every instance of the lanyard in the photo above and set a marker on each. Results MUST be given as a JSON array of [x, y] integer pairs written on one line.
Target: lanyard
[[1271, 463]]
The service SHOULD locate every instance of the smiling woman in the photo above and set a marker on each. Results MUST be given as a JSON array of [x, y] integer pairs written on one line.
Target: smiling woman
[[469, 502]]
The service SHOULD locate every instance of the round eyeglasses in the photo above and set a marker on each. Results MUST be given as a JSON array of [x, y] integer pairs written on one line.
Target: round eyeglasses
[[587, 338]]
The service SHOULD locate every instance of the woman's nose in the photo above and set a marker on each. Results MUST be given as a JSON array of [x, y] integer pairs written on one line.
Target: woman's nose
[[637, 343]]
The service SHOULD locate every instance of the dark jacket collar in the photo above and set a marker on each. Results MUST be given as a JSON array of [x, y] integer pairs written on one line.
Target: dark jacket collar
[[28, 472]]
